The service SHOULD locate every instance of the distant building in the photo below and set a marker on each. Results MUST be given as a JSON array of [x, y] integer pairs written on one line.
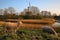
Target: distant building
[[45, 13], [32, 9]]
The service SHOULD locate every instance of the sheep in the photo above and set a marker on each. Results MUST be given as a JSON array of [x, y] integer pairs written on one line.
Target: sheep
[[13, 26], [49, 30]]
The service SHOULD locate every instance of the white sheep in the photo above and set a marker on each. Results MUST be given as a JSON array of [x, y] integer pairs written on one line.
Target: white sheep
[[12, 25]]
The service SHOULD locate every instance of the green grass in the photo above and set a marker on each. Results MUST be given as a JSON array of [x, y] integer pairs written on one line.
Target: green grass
[[27, 34]]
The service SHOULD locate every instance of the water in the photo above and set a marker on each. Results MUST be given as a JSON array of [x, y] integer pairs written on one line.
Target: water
[[56, 24]]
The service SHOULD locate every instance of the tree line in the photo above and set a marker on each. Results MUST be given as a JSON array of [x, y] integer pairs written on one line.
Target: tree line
[[10, 13]]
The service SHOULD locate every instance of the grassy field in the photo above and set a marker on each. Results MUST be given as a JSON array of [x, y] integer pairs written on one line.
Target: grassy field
[[30, 30], [28, 34], [38, 34]]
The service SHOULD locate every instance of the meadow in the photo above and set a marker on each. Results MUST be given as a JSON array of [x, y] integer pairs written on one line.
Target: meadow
[[27, 34]]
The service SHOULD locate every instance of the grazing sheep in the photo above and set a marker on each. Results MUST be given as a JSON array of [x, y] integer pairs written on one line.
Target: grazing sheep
[[11, 25], [49, 30]]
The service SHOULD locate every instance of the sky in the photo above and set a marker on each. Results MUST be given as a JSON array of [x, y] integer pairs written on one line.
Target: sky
[[44, 5]]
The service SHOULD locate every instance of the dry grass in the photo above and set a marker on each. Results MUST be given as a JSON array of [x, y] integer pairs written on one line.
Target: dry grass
[[38, 24], [49, 21], [58, 28], [1, 23], [31, 26]]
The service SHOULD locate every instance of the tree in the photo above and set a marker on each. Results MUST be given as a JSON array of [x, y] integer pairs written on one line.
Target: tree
[[54, 14], [5, 12], [11, 10], [38, 16], [28, 15], [1, 11]]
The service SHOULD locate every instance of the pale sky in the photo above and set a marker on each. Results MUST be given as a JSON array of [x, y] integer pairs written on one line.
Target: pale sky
[[49, 5]]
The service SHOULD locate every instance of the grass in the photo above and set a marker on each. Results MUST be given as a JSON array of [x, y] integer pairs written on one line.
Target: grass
[[28, 34], [38, 34], [31, 23]]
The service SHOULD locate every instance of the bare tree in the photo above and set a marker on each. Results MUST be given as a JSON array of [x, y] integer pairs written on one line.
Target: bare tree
[[1, 11], [54, 14], [5, 12], [11, 10]]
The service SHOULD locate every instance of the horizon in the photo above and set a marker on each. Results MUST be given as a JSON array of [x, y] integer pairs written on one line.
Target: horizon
[[44, 5]]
